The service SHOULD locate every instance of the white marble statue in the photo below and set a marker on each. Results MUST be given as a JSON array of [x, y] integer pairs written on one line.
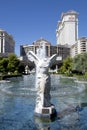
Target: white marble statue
[[42, 78]]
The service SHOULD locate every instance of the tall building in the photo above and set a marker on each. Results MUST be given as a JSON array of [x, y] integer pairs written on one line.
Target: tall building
[[82, 45], [73, 50], [7, 43], [79, 47], [67, 28]]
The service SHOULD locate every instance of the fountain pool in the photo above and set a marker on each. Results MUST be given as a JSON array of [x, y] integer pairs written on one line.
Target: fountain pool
[[17, 103]]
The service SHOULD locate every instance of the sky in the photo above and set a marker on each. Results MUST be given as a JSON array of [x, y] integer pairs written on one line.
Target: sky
[[30, 20]]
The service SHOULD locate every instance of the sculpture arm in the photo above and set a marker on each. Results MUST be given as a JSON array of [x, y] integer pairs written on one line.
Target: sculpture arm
[[52, 59], [33, 57]]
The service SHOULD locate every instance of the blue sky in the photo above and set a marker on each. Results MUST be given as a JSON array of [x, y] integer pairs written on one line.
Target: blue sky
[[29, 20]]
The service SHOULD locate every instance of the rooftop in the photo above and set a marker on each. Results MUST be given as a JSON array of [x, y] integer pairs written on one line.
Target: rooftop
[[41, 41], [71, 12]]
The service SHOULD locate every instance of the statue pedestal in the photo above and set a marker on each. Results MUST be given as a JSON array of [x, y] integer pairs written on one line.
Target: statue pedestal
[[47, 112]]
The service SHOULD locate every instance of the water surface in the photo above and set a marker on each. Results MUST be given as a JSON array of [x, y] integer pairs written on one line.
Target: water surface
[[17, 103]]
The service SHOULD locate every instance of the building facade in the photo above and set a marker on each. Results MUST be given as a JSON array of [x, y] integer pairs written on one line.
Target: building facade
[[73, 50], [24, 50], [79, 47], [62, 50], [50, 50], [7, 43], [67, 28], [82, 45]]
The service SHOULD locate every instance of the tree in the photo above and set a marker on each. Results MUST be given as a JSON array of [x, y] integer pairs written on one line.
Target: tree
[[67, 65], [13, 63], [3, 65], [21, 68], [80, 62]]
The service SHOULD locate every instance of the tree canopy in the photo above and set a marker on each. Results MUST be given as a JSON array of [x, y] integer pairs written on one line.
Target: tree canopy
[[11, 64], [67, 65], [80, 62]]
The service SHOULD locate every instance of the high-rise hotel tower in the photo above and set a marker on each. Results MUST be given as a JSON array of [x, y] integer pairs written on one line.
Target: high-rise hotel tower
[[7, 43], [67, 28]]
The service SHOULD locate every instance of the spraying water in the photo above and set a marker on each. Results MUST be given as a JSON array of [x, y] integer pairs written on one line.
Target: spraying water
[[41, 51]]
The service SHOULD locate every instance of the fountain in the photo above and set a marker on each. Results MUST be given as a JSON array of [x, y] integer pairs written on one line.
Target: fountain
[[17, 104], [44, 108], [19, 96]]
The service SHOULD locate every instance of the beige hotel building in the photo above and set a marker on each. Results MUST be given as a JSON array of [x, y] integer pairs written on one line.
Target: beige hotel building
[[7, 43], [67, 33]]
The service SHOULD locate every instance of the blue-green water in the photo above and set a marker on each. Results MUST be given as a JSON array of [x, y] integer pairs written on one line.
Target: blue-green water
[[17, 103]]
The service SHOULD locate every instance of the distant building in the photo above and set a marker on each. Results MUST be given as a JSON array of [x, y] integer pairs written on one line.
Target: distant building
[[62, 50], [24, 49], [7, 43], [50, 50], [79, 47], [67, 29], [73, 50], [82, 45], [67, 35]]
